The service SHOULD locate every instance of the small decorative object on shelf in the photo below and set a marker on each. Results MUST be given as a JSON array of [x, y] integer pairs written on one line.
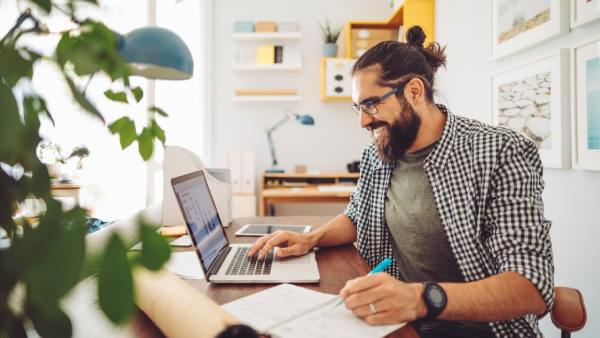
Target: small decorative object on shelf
[[61, 166], [330, 37]]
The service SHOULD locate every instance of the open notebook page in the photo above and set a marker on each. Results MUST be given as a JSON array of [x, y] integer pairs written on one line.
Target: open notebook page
[[290, 311]]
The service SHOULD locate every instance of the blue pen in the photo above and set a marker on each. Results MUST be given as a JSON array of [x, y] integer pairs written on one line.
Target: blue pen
[[379, 268]]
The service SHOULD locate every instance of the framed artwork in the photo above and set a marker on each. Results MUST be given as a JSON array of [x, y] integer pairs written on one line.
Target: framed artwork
[[518, 24], [533, 99], [584, 12], [585, 108]]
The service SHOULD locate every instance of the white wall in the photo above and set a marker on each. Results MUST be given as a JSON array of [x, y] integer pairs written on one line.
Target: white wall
[[571, 195], [336, 138]]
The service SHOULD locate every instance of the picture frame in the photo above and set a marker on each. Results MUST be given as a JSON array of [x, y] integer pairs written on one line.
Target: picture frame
[[584, 12], [517, 24], [533, 99], [585, 106]]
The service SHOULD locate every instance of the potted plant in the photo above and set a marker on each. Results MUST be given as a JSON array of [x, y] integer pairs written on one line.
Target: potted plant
[[330, 37], [40, 263]]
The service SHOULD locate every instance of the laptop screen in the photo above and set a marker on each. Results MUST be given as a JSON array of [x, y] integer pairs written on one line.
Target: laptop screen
[[201, 216]]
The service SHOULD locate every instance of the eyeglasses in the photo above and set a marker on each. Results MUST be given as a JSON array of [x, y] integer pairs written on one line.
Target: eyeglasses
[[369, 107]]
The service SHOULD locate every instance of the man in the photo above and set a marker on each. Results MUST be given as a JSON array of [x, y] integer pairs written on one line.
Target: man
[[456, 204]]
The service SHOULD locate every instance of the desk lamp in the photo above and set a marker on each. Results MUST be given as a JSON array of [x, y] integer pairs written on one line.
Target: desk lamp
[[306, 120]]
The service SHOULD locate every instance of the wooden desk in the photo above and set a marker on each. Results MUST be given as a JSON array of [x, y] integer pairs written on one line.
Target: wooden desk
[[66, 190], [275, 188], [336, 266]]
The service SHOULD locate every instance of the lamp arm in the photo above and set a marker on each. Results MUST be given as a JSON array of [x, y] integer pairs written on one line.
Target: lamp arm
[[272, 148], [281, 122]]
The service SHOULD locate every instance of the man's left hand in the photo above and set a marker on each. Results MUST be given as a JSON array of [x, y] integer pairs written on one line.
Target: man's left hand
[[381, 299]]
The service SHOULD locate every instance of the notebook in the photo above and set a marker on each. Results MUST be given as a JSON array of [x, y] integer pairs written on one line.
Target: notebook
[[290, 311]]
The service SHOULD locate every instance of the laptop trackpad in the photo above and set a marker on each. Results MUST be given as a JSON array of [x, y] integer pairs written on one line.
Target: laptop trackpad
[[306, 259]]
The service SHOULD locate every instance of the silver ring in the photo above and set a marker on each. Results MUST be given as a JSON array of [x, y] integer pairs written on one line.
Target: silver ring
[[372, 307]]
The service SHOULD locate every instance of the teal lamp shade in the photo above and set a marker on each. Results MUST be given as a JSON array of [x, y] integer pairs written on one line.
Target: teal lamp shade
[[157, 53], [306, 120]]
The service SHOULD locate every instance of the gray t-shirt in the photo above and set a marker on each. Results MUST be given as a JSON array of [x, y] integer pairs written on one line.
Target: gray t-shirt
[[420, 244]]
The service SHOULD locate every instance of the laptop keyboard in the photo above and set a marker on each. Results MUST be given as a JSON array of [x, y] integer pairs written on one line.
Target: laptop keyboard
[[241, 264]]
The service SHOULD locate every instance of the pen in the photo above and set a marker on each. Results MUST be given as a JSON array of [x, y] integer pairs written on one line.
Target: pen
[[379, 268]]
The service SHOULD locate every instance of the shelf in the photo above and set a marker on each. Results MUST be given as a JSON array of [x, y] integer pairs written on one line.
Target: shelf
[[265, 98], [251, 67], [267, 36]]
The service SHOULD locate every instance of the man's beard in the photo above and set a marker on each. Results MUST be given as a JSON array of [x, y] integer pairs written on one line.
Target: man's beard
[[398, 136]]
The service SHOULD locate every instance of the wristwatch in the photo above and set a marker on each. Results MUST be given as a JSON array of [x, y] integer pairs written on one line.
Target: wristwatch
[[435, 299]]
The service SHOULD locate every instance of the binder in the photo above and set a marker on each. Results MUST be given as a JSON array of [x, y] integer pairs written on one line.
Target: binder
[[248, 173], [235, 164]]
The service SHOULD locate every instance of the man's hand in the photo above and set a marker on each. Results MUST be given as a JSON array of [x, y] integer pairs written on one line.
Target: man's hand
[[394, 302], [289, 244]]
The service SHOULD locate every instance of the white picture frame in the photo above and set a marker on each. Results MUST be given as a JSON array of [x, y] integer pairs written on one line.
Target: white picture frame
[[584, 12], [585, 147], [533, 99], [538, 21]]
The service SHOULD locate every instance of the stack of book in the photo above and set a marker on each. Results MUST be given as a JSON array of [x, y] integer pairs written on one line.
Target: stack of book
[[269, 54]]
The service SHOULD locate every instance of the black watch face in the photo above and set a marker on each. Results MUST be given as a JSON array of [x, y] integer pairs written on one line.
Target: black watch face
[[436, 296]]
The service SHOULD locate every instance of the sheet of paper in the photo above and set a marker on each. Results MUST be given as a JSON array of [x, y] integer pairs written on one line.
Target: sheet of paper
[[185, 264], [327, 319], [289, 311], [267, 308]]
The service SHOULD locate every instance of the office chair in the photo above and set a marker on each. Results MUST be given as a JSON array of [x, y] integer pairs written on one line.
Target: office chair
[[568, 313]]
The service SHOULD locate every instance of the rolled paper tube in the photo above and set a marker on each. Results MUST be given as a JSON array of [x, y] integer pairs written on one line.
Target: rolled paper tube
[[179, 310]]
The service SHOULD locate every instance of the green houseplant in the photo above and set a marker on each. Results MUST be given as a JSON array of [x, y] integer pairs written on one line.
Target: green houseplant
[[330, 36], [46, 258]]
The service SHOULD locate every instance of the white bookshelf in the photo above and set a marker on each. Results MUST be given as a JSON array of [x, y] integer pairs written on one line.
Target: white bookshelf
[[267, 98], [267, 36], [269, 67]]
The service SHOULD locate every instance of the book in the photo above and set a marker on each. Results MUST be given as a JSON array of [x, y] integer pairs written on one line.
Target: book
[[265, 55], [290, 311], [278, 54]]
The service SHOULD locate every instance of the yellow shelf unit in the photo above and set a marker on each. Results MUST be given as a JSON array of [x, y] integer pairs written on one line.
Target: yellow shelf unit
[[412, 12]]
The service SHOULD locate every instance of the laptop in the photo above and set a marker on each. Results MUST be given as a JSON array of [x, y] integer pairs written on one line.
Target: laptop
[[223, 262]]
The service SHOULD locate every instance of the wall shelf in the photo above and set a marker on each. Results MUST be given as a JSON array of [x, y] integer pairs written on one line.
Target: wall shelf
[[267, 98], [270, 67], [267, 36]]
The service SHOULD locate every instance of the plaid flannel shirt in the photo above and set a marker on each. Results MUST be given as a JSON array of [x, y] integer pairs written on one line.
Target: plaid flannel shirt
[[487, 183]]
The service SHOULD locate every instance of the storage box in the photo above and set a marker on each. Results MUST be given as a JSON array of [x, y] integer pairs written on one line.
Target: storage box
[[288, 27], [265, 27], [243, 27]]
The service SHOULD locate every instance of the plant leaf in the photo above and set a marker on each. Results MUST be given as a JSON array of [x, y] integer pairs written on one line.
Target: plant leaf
[[117, 97], [117, 125], [46, 5], [155, 249], [49, 320], [138, 93], [157, 110], [145, 143], [82, 100], [115, 283], [158, 131]]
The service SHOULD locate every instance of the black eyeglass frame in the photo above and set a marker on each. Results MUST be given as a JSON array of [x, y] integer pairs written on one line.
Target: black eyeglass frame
[[361, 108]]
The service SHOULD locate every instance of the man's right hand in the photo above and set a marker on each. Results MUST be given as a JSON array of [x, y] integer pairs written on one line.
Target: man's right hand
[[289, 244]]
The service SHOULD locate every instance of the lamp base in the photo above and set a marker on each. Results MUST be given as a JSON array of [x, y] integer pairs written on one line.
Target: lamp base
[[274, 171]]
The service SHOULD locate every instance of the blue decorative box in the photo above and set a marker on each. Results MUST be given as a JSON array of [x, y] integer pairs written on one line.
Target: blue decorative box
[[243, 27]]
